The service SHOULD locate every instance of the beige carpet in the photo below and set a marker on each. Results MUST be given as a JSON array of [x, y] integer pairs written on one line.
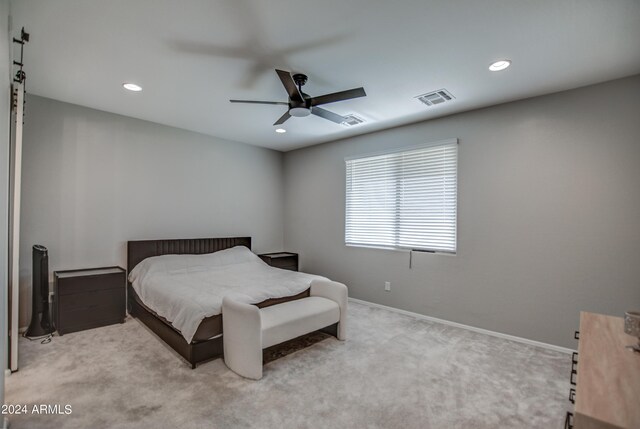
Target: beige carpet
[[394, 371]]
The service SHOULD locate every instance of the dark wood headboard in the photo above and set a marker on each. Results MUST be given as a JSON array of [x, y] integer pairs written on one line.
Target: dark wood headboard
[[140, 250]]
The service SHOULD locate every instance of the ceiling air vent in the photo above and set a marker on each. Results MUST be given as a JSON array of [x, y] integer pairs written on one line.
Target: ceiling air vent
[[435, 97], [351, 120]]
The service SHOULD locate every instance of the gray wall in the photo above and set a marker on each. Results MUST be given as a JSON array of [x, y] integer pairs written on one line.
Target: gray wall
[[548, 215], [5, 97], [93, 180]]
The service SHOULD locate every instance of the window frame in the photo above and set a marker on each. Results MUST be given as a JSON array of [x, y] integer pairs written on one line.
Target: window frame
[[397, 214]]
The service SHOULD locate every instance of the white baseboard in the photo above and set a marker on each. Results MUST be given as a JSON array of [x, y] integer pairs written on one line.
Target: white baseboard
[[467, 327]]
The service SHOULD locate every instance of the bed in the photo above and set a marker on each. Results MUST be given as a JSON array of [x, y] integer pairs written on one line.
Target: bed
[[204, 342]]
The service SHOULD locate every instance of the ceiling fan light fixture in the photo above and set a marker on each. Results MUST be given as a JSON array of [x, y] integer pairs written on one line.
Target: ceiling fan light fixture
[[132, 87], [299, 112], [500, 65], [280, 130]]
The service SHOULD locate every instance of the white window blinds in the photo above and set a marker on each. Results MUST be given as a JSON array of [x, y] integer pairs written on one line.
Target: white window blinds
[[405, 199]]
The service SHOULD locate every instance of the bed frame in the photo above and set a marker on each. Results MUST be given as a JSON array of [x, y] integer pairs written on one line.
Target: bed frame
[[196, 351]]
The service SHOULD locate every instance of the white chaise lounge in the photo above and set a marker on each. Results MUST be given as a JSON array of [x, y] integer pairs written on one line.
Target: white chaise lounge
[[249, 329]]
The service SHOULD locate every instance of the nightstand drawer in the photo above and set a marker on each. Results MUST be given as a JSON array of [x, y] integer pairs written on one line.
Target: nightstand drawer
[[287, 263], [97, 298]]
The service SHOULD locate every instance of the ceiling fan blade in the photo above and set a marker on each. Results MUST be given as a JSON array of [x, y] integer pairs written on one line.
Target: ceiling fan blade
[[333, 117], [259, 102], [290, 85], [338, 96], [283, 118]]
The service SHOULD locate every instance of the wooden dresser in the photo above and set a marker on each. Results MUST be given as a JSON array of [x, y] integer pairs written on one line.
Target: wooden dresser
[[608, 375], [89, 298]]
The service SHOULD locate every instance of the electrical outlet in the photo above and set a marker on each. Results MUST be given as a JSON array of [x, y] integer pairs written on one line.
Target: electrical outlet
[[387, 286]]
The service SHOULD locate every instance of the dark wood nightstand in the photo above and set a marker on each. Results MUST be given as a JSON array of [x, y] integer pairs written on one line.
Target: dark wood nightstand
[[284, 260], [88, 298]]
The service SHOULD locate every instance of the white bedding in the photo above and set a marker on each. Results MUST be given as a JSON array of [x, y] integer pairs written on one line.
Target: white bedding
[[184, 289]]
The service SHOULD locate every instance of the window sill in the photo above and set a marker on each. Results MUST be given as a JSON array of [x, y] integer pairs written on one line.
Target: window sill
[[402, 249]]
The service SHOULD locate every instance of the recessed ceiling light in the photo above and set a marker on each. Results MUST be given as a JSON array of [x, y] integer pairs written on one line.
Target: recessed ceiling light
[[280, 130], [132, 87], [500, 65]]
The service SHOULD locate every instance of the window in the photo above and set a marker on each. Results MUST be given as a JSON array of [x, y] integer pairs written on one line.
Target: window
[[405, 199]]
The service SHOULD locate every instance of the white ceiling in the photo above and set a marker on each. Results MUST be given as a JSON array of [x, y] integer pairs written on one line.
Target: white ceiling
[[192, 56]]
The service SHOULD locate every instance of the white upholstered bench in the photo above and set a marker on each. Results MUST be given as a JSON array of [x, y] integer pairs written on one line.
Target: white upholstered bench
[[248, 329]]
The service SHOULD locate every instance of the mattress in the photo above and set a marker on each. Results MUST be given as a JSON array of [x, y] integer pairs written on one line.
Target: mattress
[[187, 290]]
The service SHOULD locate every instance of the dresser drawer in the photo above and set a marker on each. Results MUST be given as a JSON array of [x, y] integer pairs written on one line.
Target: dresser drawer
[[90, 317], [73, 285]]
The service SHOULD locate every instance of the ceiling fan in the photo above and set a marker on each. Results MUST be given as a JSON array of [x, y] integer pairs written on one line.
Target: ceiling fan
[[301, 104]]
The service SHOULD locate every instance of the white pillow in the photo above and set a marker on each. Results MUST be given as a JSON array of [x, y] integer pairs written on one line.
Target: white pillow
[[176, 263]]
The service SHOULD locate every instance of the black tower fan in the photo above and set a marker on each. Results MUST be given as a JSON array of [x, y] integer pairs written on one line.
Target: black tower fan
[[40, 321]]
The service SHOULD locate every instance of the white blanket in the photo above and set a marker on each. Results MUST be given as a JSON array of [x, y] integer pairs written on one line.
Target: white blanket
[[184, 289]]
